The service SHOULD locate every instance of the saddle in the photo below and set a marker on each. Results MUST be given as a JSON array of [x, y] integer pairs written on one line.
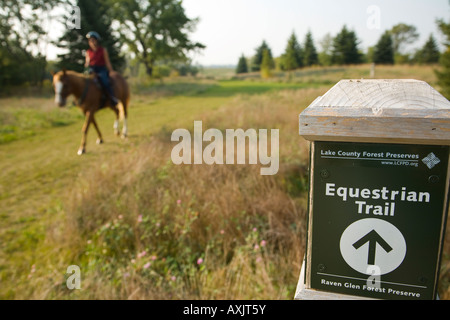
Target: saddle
[[99, 85], [94, 78]]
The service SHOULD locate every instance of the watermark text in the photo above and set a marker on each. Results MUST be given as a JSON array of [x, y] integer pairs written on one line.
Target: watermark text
[[74, 19], [374, 19], [235, 144], [74, 280]]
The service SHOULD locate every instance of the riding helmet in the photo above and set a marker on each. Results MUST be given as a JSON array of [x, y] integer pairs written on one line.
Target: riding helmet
[[93, 34]]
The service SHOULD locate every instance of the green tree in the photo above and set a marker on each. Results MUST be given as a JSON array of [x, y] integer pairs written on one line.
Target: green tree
[[384, 51], [22, 40], [258, 57], [444, 73], [345, 48], [310, 52], [267, 64], [429, 53], [94, 17], [326, 44], [242, 65], [402, 35], [155, 29], [293, 56]]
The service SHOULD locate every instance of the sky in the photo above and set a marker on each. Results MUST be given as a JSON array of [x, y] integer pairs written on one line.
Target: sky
[[230, 28]]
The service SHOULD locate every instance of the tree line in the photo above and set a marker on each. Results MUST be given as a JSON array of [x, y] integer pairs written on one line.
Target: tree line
[[21, 41], [155, 34], [151, 33], [343, 49]]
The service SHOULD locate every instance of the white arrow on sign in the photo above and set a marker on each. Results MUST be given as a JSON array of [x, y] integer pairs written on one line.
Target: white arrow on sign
[[373, 242]]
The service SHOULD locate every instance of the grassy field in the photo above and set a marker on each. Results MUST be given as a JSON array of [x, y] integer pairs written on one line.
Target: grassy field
[[140, 227]]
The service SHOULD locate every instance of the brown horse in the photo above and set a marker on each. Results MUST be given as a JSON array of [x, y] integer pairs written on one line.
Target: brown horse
[[88, 96]]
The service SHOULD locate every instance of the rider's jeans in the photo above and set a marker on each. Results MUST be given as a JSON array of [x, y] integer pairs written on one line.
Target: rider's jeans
[[103, 75]]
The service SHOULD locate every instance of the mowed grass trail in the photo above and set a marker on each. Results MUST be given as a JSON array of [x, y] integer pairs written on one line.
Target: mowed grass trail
[[37, 170]]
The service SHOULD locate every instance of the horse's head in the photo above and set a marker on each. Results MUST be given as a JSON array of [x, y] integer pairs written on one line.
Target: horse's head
[[62, 88]]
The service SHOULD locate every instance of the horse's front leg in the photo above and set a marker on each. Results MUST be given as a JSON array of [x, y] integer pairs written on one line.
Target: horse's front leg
[[100, 138], [84, 131]]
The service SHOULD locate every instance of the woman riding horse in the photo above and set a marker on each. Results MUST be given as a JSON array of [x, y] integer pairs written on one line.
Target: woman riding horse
[[89, 96], [97, 60]]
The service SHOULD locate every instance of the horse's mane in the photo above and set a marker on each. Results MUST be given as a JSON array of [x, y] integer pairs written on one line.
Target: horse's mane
[[80, 75], [77, 74]]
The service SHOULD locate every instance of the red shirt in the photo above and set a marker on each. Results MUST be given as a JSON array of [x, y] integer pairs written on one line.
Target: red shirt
[[96, 58]]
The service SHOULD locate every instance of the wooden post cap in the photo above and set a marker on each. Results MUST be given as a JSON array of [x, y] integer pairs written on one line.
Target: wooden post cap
[[380, 111]]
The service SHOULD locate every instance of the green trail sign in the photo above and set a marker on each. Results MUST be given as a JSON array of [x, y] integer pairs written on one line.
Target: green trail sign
[[377, 218], [379, 190]]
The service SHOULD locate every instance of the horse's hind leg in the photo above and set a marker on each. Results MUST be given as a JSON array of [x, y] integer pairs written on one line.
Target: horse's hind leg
[[122, 110], [116, 122], [125, 122]]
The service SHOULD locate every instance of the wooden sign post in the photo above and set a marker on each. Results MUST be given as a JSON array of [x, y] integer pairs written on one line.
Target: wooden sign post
[[379, 191]]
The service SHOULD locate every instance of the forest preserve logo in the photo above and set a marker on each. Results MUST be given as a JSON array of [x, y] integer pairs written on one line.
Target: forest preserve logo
[[431, 160], [235, 143]]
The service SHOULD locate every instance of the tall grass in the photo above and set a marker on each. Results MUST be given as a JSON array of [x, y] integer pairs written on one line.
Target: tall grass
[[142, 228]]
